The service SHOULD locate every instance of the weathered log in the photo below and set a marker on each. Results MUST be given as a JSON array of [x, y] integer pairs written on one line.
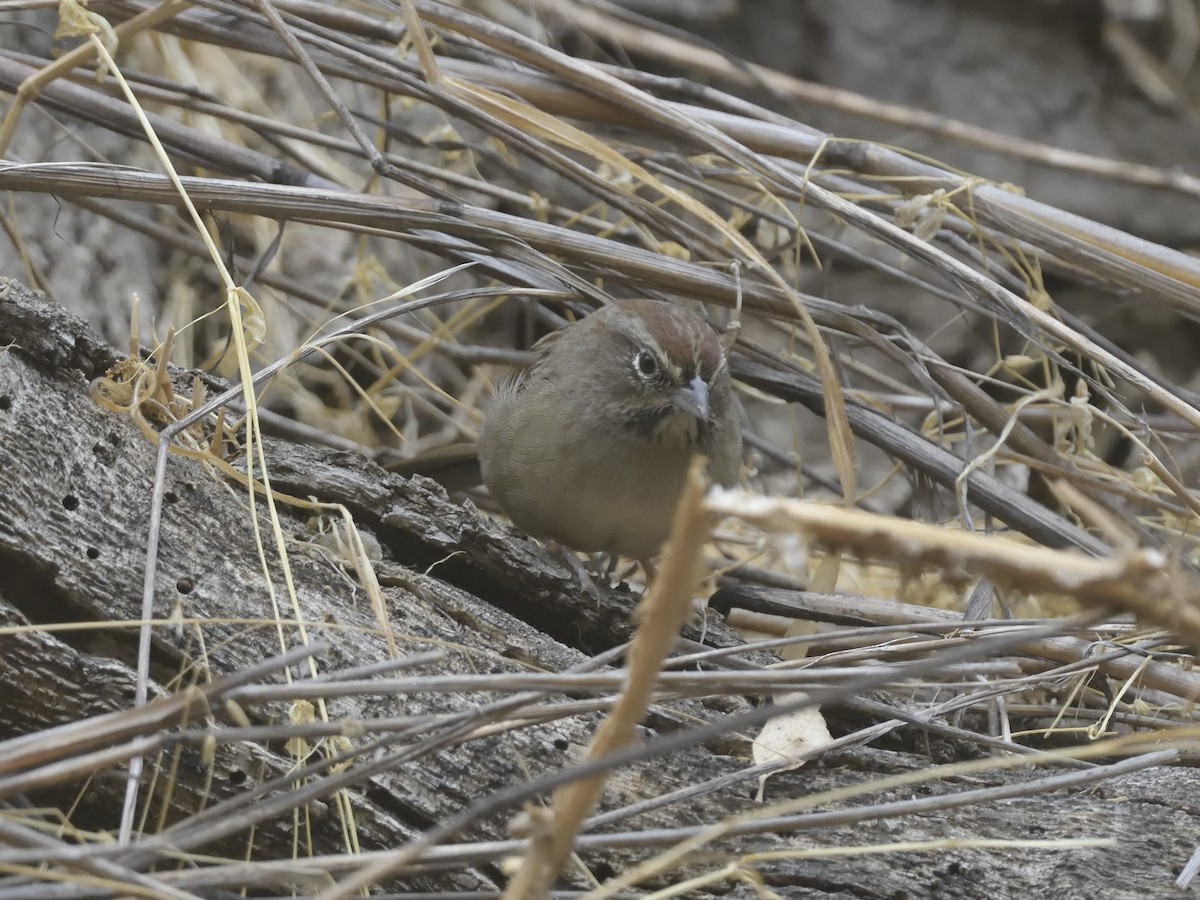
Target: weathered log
[[74, 508]]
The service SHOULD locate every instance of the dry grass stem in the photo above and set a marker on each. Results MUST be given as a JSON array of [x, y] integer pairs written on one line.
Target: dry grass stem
[[660, 616]]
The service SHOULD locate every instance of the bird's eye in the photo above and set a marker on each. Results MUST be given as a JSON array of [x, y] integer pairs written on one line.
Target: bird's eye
[[646, 363]]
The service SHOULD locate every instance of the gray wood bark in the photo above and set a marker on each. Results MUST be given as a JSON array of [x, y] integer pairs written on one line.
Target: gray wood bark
[[75, 483]]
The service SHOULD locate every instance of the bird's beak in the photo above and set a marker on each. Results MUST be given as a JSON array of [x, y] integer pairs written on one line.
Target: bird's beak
[[692, 398]]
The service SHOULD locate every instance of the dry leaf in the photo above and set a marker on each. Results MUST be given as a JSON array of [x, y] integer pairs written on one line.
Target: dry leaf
[[789, 737]]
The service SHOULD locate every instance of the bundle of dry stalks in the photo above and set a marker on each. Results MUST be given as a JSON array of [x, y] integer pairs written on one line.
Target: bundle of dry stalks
[[253, 662]]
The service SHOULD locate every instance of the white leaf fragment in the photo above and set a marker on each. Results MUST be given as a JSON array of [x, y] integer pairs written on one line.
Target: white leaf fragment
[[790, 738]]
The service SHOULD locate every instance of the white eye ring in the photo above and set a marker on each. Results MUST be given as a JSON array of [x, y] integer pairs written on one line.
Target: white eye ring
[[645, 364]]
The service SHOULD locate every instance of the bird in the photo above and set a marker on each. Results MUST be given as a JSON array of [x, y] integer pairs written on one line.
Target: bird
[[590, 447]]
